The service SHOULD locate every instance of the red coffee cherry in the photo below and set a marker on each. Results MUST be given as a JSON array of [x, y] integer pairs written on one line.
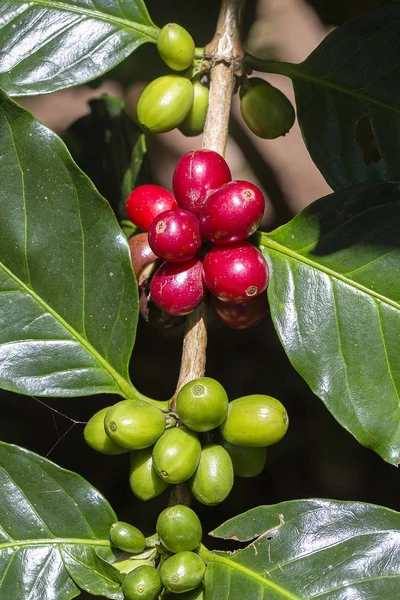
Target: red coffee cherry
[[141, 253], [177, 288], [235, 273], [174, 235], [232, 213], [197, 174], [241, 315], [146, 202]]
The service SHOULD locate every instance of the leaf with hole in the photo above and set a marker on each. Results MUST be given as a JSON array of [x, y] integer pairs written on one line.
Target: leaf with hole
[[54, 532], [347, 98], [68, 297], [48, 45], [334, 294], [308, 550]]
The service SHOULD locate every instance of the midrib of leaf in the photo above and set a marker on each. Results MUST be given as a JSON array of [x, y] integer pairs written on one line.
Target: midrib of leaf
[[211, 557], [54, 541], [294, 71], [126, 388], [150, 31], [269, 243]]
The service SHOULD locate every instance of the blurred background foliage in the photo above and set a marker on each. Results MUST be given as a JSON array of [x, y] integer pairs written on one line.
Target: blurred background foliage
[[317, 458]]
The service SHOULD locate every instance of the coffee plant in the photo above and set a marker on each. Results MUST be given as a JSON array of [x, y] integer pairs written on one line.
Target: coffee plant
[[77, 275]]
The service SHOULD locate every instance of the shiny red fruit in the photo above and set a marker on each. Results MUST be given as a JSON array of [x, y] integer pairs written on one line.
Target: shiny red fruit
[[177, 288], [146, 202], [174, 235], [232, 213], [197, 174], [241, 315], [236, 272], [141, 253]]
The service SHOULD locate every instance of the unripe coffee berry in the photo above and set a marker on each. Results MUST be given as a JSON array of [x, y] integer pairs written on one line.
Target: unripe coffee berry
[[232, 213], [255, 420], [182, 572], [202, 404], [179, 528], [142, 583], [213, 479], [197, 174], [165, 103], [176, 47], [176, 454], [266, 110], [146, 202], [134, 424], [96, 437], [177, 288], [143, 478], [127, 537], [174, 235], [236, 272], [196, 118], [247, 461]]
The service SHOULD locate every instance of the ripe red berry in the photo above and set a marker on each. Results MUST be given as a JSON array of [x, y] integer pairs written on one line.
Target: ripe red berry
[[174, 235], [197, 174], [241, 315], [146, 202], [236, 272], [177, 288], [232, 213]]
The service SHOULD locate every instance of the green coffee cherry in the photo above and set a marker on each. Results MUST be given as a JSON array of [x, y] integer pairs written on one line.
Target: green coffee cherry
[[142, 583], [255, 420], [179, 528], [247, 462], [176, 454], [266, 111], [127, 537], [96, 437], [213, 478], [176, 47], [134, 424], [143, 479], [182, 572], [196, 594], [165, 103], [196, 118], [126, 566], [202, 404]]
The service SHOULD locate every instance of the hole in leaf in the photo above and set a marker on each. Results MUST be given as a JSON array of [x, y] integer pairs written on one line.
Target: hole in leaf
[[365, 139]]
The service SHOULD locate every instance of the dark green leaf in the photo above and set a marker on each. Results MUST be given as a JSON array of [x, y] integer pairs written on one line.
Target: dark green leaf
[[309, 549], [48, 45], [348, 99], [68, 298], [54, 532], [110, 148], [334, 294]]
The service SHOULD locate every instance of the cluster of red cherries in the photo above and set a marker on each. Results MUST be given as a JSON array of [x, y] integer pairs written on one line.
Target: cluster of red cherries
[[200, 232]]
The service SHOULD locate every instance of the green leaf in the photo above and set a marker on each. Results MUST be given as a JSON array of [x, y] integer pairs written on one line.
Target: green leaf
[[54, 531], [348, 99], [68, 297], [334, 295], [48, 45], [309, 549]]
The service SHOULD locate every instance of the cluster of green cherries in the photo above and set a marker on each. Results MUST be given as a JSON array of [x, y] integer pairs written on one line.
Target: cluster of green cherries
[[181, 101], [205, 440], [165, 565]]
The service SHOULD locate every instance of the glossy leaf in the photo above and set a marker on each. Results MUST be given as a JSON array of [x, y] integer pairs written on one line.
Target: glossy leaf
[[348, 99], [48, 45], [334, 294], [68, 298], [306, 550], [54, 532]]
